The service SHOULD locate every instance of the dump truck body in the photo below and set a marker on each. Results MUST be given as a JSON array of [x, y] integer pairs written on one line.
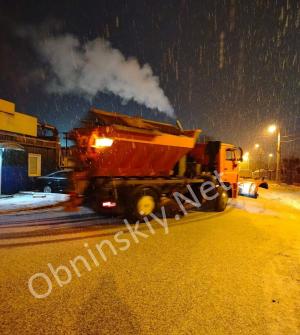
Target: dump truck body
[[122, 151]]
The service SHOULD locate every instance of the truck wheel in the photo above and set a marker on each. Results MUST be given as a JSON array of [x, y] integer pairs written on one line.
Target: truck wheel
[[221, 200], [143, 203]]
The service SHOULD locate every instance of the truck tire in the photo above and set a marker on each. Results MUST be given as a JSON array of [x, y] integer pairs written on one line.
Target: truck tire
[[221, 200], [141, 203], [206, 205]]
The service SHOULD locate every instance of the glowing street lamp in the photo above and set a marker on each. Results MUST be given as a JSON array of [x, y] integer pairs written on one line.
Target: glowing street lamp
[[246, 157], [273, 129], [246, 160], [256, 146]]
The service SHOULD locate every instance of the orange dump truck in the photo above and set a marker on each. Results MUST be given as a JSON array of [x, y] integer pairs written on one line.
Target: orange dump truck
[[130, 165]]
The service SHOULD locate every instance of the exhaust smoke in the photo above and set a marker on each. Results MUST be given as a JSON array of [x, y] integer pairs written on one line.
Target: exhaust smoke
[[94, 66]]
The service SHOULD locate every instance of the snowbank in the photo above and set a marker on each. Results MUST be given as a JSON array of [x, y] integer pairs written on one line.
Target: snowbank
[[285, 194], [31, 200], [270, 201]]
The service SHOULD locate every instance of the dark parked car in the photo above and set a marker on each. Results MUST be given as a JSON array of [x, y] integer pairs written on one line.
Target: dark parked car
[[55, 182]]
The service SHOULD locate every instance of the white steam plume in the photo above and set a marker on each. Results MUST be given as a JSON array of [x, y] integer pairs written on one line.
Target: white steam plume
[[96, 67]]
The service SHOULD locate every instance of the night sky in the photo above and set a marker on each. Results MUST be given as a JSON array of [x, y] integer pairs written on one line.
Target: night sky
[[228, 67]]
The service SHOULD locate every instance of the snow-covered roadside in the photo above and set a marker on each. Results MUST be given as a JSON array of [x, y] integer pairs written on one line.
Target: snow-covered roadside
[[270, 201], [30, 200], [276, 215], [285, 194]]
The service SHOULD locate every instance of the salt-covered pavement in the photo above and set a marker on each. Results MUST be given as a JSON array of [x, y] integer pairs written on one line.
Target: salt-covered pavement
[[235, 272]]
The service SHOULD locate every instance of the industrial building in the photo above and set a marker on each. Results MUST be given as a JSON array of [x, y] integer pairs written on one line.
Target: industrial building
[[28, 149]]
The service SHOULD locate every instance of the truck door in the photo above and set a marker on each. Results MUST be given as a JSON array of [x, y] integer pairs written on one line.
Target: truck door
[[229, 163]]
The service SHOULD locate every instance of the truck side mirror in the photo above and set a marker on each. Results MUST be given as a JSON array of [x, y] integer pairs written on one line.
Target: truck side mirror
[[240, 158]]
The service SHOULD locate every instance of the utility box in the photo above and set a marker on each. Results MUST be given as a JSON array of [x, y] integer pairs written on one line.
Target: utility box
[[15, 122]]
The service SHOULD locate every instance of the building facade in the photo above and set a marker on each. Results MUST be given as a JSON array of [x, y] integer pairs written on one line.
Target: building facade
[[40, 142]]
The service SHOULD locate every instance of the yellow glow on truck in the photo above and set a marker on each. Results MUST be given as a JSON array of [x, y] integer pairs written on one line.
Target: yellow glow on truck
[[103, 142]]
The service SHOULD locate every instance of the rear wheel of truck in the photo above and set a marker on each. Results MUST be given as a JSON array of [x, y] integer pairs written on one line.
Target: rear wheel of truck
[[142, 203], [221, 200]]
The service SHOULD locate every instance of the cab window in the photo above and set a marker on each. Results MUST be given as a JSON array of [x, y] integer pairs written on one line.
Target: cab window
[[230, 155]]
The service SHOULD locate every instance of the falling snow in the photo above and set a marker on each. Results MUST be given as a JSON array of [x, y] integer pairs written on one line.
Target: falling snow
[[228, 67]]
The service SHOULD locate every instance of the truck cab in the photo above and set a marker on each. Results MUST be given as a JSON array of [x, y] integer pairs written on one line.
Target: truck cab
[[221, 157]]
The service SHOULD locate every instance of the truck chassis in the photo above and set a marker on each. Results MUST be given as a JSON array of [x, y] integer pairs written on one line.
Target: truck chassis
[[138, 197]]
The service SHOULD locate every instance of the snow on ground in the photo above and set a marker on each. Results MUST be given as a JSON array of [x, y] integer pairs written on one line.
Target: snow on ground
[[30, 200], [270, 201], [286, 194], [276, 216]]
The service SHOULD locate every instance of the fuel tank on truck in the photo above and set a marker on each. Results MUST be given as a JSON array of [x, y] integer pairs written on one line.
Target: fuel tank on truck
[[111, 144]]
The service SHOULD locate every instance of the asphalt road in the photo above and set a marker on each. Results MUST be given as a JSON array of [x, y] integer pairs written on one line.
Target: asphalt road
[[236, 272]]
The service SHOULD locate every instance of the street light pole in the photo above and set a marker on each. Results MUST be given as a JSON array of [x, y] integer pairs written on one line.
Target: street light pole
[[270, 156], [278, 156], [272, 129]]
